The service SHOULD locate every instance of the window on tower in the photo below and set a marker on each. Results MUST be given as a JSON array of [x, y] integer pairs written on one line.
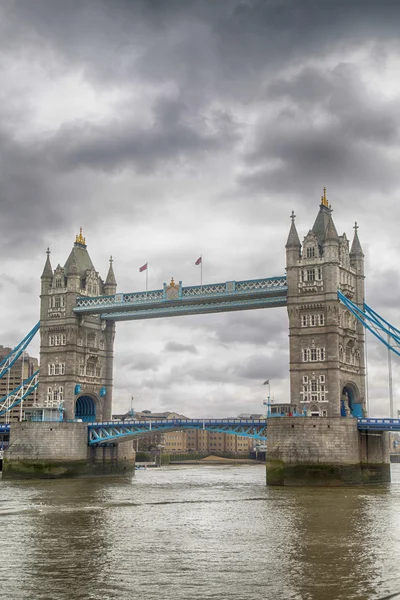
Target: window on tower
[[310, 274], [310, 252]]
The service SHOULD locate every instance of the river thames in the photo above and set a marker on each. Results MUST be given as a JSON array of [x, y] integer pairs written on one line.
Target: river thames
[[197, 532]]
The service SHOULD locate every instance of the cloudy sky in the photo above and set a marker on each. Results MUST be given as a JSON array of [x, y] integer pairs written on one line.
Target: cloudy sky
[[173, 128]]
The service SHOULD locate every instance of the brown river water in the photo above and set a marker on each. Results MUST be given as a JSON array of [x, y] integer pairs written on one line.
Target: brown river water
[[197, 532]]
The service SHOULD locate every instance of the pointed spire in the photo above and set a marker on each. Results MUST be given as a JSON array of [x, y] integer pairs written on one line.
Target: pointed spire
[[293, 240], [47, 271], [356, 246], [110, 280], [331, 233]]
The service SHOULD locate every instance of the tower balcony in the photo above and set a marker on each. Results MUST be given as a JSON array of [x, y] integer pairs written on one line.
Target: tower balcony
[[309, 287]]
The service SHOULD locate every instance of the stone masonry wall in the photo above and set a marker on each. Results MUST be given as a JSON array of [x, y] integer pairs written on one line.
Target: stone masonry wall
[[48, 441], [313, 440]]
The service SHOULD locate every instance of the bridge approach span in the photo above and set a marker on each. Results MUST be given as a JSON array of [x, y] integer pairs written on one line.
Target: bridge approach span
[[103, 433]]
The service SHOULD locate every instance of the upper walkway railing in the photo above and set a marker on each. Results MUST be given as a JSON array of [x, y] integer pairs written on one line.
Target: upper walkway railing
[[174, 299]]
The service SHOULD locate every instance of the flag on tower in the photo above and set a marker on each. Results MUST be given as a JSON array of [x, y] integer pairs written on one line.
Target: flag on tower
[[143, 268], [266, 382], [198, 261]]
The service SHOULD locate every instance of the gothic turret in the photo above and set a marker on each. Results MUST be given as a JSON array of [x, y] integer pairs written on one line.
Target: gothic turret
[[356, 249], [357, 263], [47, 275], [110, 285], [293, 245]]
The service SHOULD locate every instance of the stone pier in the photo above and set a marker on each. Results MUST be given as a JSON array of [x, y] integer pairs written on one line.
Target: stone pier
[[55, 450], [330, 451]]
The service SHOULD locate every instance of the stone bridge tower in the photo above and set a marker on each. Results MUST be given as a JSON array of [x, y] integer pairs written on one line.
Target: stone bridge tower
[[327, 363], [76, 352]]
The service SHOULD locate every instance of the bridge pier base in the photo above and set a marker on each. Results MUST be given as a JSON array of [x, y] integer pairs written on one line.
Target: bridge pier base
[[325, 451], [56, 450]]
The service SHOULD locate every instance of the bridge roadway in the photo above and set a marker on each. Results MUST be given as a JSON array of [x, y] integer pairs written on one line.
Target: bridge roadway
[[113, 431], [174, 299], [101, 433]]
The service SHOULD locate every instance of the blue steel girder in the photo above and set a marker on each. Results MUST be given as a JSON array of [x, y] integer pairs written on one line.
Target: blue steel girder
[[103, 433], [18, 394], [378, 424], [211, 298], [386, 333], [9, 360]]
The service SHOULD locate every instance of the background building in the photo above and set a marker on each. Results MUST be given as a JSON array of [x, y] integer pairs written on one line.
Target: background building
[[190, 440], [23, 368]]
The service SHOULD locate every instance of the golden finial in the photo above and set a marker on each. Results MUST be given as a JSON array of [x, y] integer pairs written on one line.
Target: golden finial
[[80, 239], [172, 284], [324, 200]]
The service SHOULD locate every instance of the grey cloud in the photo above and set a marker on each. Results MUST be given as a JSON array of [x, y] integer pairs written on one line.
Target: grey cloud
[[114, 41], [176, 347], [138, 362], [173, 137], [344, 134], [261, 367]]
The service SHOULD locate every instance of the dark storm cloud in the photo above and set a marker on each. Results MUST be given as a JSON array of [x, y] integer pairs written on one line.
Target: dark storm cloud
[[208, 54], [329, 122], [230, 43], [176, 347], [173, 136]]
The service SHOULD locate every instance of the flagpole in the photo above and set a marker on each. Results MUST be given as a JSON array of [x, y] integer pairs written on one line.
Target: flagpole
[[201, 273], [147, 275]]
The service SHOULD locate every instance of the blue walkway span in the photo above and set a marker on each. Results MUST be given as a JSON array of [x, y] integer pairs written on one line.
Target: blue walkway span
[[175, 300]]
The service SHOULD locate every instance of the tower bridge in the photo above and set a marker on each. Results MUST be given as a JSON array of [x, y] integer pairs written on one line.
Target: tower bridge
[[323, 292]]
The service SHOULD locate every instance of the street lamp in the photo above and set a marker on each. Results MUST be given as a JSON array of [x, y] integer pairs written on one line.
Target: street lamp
[[268, 403]]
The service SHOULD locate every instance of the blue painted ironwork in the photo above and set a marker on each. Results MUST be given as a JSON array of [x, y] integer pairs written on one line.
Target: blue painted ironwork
[[4, 428], [377, 325], [13, 356], [378, 424], [103, 433], [19, 393], [85, 409], [218, 297]]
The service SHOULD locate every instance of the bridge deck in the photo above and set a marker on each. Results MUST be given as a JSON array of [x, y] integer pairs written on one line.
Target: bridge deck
[[178, 300], [111, 431]]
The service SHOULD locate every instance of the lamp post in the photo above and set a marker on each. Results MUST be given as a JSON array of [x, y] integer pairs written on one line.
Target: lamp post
[[268, 403]]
